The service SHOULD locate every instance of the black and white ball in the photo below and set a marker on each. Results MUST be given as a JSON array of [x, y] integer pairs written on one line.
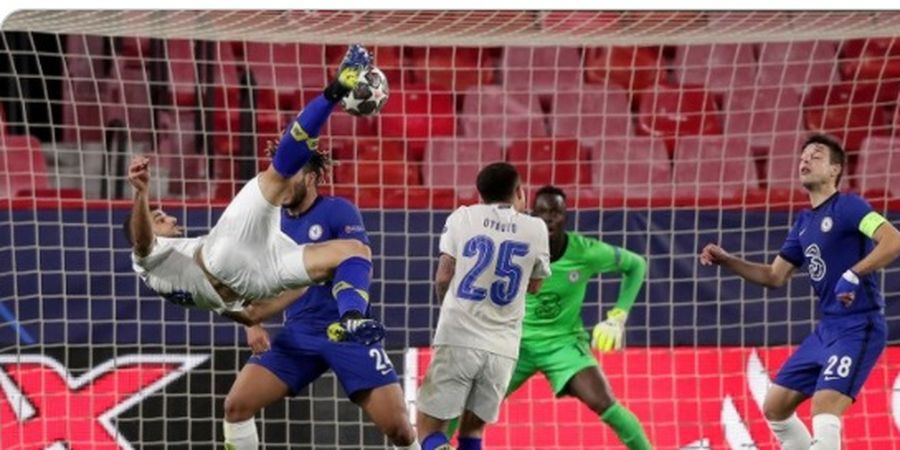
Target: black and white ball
[[370, 95]]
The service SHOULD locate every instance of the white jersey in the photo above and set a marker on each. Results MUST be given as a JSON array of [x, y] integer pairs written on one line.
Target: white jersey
[[170, 270], [246, 250], [497, 251]]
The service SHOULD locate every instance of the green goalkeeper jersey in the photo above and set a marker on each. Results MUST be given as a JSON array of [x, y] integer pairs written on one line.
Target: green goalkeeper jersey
[[555, 311]]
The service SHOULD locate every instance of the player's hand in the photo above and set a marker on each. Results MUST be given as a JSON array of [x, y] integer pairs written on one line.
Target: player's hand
[[257, 339], [356, 59], [712, 254], [846, 287], [139, 173], [608, 334], [354, 327]]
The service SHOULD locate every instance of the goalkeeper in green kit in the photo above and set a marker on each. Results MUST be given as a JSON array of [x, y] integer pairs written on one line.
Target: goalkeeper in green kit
[[554, 340]]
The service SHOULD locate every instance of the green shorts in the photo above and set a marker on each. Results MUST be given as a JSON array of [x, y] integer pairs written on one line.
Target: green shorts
[[558, 363]]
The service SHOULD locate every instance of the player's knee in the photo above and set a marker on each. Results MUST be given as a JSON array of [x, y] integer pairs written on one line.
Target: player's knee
[[400, 433], [775, 412], [600, 402], [237, 409]]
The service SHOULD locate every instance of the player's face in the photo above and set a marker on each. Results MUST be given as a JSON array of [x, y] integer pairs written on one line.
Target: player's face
[[165, 225], [302, 184], [552, 210], [816, 168]]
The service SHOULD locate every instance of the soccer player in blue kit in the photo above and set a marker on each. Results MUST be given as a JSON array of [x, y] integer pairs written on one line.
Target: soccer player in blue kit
[[835, 239], [311, 341]]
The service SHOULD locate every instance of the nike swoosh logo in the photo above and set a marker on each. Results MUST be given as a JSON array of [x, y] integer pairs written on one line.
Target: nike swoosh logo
[[802, 231]]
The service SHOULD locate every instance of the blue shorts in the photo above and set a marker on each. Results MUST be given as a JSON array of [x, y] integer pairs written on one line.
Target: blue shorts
[[839, 355], [298, 357]]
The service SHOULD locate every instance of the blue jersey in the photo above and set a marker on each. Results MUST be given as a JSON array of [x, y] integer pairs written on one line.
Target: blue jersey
[[328, 218], [832, 238]]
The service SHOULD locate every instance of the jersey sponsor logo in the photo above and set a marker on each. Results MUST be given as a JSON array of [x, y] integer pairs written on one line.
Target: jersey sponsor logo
[[574, 276], [315, 232], [549, 305], [41, 393], [826, 224], [817, 268], [354, 229]]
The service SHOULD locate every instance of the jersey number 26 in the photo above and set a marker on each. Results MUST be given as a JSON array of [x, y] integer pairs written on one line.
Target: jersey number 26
[[504, 289]]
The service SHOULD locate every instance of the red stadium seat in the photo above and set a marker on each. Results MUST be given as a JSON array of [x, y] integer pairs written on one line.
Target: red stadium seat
[[418, 112], [870, 59], [718, 67], [879, 164], [670, 112], [455, 162], [633, 68], [636, 167], [84, 67], [541, 69], [592, 113], [797, 65], [182, 72], [769, 116], [377, 173], [452, 68], [550, 161], [22, 166], [847, 110], [713, 167], [490, 113]]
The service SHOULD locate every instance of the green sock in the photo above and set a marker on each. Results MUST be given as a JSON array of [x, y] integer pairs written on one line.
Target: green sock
[[451, 427], [627, 427]]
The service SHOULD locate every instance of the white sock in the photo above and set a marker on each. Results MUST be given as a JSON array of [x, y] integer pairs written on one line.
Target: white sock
[[241, 435], [792, 433], [414, 446], [827, 432]]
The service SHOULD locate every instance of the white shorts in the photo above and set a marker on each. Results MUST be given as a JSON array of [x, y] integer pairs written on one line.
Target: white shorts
[[461, 378], [247, 250]]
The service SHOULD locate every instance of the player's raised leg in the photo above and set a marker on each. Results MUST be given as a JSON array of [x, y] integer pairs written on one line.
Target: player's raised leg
[[591, 387], [300, 141]]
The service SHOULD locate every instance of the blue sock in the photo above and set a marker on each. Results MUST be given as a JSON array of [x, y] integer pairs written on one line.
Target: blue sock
[[434, 440], [295, 147], [469, 443], [351, 284]]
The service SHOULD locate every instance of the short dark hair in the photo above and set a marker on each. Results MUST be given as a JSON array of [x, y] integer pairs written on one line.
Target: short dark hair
[[497, 182], [836, 153], [317, 164], [549, 190]]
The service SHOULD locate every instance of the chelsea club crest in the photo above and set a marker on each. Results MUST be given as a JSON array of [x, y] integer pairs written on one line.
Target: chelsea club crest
[[315, 232], [826, 224]]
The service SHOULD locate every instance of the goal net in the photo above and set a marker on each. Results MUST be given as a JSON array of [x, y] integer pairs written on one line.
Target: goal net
[[666, 130]]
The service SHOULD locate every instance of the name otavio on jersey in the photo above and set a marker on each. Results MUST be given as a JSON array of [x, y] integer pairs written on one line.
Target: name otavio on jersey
[[817, 268], [497, 226]]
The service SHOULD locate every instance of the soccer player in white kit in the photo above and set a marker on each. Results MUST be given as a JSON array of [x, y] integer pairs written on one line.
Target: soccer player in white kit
[[246, 259], [491, 254]]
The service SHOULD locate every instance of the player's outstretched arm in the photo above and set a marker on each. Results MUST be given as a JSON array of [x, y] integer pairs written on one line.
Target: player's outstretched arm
[[260, 310], [771, 275], [141, 223], [607, 335]]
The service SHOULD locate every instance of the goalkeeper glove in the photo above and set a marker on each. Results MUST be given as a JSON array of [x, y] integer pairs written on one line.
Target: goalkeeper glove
[[608, 334], [354, 62], [354, 327]]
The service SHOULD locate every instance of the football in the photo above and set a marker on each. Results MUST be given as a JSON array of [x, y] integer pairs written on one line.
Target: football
[[370, 94]]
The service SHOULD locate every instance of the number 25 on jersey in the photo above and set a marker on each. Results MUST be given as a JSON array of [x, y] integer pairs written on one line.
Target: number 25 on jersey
[[508, 274]]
